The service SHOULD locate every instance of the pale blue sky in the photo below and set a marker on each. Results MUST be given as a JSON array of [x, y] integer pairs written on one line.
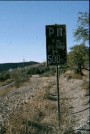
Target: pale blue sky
[[22, 27]]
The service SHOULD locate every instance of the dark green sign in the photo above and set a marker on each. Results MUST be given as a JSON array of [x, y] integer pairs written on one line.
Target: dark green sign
[[56, 44]]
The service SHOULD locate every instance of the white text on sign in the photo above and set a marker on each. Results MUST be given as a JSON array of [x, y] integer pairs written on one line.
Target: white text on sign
[[54, 59], [59, 32], [58, 44]]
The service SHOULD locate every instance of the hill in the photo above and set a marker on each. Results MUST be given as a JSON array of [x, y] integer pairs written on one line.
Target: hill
[[7, 66]]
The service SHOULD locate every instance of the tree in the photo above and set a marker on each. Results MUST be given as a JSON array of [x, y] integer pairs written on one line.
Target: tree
[[78, 56], [82, 31]]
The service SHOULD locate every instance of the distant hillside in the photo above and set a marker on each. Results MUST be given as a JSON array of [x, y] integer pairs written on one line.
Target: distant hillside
[[7, 66]]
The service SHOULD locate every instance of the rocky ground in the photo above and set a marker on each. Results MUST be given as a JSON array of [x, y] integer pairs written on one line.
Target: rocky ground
[[72, 93], [78, 100]]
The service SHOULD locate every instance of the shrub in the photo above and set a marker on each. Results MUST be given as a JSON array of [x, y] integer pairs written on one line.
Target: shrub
[[4, 76]]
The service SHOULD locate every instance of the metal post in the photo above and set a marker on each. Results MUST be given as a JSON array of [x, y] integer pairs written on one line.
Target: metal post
[[58, 96]]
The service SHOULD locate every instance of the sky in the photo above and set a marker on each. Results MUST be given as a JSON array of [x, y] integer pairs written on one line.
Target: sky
[[22, 27]]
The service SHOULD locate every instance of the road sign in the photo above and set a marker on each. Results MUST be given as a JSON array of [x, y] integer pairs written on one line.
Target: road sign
[[56, 44]]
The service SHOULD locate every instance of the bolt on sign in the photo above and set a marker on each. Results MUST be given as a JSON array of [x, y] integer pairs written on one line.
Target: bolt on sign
[[56, 44]]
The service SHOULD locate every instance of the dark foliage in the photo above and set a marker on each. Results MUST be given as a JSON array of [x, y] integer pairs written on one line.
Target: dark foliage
[[7, 66]]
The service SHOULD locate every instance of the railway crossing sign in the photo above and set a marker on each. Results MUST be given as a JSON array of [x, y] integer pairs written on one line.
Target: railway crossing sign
[[56, 44]]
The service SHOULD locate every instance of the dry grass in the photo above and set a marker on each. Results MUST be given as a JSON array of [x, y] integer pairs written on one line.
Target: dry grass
[[5, 82], [73, 75], [85, 85], [39, 116], [17, 85], [39, 111], [6, 91]]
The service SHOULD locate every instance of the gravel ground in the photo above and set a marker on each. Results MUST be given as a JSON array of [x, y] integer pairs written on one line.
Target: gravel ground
[[78, 103]]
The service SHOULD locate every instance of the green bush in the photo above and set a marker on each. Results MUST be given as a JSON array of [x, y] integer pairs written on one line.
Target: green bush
[[4, 76]]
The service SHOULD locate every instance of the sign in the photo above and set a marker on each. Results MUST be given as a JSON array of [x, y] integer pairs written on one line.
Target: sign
[[56, 44]]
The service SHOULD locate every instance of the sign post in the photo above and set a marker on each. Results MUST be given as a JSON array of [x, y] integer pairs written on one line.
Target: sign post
[[58, 97], [56, 51]]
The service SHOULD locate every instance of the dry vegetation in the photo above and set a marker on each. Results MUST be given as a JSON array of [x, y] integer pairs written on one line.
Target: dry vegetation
[[3, 83], [13, 87], [33, 112], [73, 75], [6, 91], [39, 115]]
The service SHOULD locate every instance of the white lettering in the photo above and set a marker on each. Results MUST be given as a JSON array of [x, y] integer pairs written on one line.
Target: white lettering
[[60, 45], [53, 40], [59, 32], [49, 59], [52, 59], [51, 31]]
